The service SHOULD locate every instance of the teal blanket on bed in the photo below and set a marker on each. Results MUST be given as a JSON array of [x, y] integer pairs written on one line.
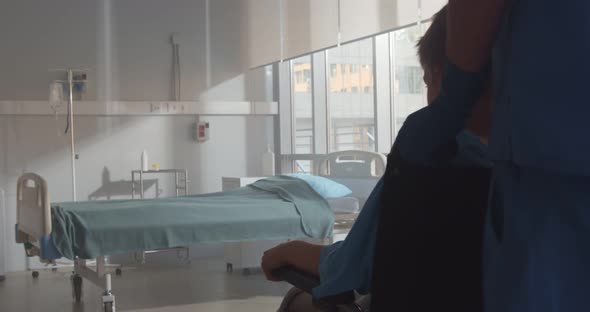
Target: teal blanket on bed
[[275, 208]]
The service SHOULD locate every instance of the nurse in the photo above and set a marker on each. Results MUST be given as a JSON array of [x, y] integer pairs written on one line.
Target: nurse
[[537, 247]]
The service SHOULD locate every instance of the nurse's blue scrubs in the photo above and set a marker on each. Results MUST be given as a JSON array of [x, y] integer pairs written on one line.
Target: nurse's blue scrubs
[[537, 240], [537, 256]]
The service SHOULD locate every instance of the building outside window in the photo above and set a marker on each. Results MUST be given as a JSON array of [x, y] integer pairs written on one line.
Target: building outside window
[[351, 112], [302, 88], [409, 92], [349, 97]]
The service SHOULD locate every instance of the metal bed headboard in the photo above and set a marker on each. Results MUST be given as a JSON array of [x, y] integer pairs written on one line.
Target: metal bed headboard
[[358, 170], [352, 164], [33, 208]]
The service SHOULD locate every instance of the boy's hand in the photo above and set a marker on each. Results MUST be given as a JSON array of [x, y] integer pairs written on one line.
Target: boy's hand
[[275, 258], [302, 255]]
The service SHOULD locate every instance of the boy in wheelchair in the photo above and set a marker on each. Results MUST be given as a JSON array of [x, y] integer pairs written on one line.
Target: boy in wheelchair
[[348, 265]]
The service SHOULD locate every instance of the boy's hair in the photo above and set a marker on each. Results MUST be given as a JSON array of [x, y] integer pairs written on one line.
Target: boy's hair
[[432, 46]]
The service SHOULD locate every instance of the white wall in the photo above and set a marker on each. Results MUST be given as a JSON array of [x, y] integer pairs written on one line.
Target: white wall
[[36, 36], [126, 46], [143, 57], [2, 233], [308, 25]]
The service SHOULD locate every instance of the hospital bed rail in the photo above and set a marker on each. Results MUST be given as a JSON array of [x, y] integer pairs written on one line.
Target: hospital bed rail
[[352, 164], [33, 229]]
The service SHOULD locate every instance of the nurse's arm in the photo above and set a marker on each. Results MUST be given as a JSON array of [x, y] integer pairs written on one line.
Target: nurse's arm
[[472, 28]]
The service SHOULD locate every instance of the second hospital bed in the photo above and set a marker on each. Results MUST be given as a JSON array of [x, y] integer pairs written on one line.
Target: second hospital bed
[[358, 170]]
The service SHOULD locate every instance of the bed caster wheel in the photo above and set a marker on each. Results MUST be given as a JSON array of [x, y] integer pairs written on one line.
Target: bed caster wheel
[[35, 274], [54, 270], [118, 272], [108, 299], [77, 287], [108, 307], [246, 272], [229, 267], [2, 278]]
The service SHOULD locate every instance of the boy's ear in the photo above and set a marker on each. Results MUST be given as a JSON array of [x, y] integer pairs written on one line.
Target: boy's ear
[[437, 71]]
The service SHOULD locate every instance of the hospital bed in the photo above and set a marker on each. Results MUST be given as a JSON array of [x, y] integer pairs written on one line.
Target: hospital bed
[[358, 170], [274, 208]]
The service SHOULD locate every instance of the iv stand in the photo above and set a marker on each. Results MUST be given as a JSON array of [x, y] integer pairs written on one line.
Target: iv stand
[[70, 84], [71, 128]]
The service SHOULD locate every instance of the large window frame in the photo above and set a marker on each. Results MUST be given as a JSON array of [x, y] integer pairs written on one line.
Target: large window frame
[[353, 68], [302, 85], [386, 101]]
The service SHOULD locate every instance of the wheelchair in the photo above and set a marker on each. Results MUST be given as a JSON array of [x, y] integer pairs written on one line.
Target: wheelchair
[[428, 254], [299, 298]]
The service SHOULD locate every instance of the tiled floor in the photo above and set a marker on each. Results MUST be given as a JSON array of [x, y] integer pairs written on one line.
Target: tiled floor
[[203, 285]]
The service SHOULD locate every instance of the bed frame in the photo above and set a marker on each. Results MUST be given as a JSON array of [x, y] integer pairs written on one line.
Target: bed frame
[[355, 169], [33, 229], [352, 164]]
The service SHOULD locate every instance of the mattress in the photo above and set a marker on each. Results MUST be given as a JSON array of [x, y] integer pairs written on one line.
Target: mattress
[[344, 205], [361, 187], [274, 208]]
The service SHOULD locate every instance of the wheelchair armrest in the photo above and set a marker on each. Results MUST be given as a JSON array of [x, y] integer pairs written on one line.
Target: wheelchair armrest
[[307, 282], [298, 278]]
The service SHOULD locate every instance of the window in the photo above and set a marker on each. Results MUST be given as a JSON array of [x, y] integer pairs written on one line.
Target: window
[[410, 79], [333, 70], [346, 105], [351, 113], [302, 77], [307, 75], [361, 137], [302, 105], [409, 93], [304, 166]]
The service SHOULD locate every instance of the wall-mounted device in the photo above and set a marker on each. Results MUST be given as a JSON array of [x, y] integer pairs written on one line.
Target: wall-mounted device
[[201, 131]]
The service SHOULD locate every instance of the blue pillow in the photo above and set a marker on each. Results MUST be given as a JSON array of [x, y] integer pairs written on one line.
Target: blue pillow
[[323, 186]]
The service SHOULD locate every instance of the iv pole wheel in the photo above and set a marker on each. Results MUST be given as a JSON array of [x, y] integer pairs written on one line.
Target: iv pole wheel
[[108, 307], [77, 287]]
